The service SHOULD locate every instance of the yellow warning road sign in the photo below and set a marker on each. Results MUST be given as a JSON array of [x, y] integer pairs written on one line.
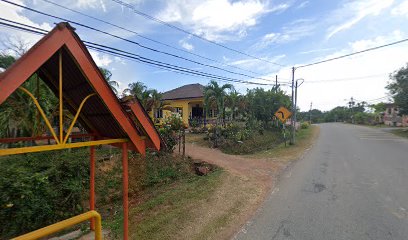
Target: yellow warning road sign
[[283, 114]]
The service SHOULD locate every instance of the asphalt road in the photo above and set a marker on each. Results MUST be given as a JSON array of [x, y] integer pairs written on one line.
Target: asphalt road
[[352, 184]]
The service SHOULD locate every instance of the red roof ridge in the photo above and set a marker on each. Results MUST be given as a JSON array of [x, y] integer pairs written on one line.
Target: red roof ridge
[[40, 58]]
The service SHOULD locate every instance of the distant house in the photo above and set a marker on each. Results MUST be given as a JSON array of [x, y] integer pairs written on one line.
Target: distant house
[[391, 116], [188, 101]]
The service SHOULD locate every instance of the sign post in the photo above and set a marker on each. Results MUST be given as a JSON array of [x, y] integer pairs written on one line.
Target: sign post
[[283, 114]]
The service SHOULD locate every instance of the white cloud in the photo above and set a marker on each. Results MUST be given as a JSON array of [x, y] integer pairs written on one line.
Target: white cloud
[[354, 12], [291, 32], [401, 9], [14, 13], [302, 4], [102, 60], [254, 64], [186, 45], [378, 64], [317, 50], [215, 19]]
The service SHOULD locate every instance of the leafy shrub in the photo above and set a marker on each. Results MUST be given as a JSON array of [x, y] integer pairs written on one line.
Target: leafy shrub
[[174, 121], [169, 137], [257, 142], [39, 189], [304, 125]]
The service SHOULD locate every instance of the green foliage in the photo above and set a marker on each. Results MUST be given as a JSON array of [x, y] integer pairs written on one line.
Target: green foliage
[[379, 107], [304, 125], [262, 104], [363, 118], [170, 130], [18, 114], [255, 143], [108, 75], [215, 95], [6, 60], [399, 89], [163, 168], [40, 189]]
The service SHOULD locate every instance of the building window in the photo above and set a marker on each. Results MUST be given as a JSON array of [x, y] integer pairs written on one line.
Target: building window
[[179, 110], [389, 111], [212, 113], [158, 113]]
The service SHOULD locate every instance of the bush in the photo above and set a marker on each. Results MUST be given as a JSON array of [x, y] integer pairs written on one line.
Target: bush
[[257, 142], [40, 189], [304, 125], [169, 137]]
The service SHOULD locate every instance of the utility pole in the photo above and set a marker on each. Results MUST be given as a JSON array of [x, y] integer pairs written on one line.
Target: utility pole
[[292, 139], [296, 87], [351, 105], [276, 83], [310, 113]]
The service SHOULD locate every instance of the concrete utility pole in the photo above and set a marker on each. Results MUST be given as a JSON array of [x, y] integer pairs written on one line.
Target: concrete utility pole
[[276, 84], [292, 139], [310, 113], [351, 105], [296, 87]]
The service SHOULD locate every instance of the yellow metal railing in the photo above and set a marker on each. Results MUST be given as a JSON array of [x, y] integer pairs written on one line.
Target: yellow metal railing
[[65, 224]]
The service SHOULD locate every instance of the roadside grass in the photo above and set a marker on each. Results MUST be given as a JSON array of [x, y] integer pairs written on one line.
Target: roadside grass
[[259, 142], [165, 193], [169, 208], [400, 132], [304, 139]]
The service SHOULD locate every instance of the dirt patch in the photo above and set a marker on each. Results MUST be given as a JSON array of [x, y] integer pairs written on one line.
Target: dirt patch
[[248, 180]]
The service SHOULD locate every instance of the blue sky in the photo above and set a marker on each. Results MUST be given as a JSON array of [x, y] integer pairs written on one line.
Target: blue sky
[[288, 32]]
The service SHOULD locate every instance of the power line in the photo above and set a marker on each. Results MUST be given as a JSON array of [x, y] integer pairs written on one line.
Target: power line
[[147, 16], [128, 55], [136, 43], [148, 38], [354, 53]]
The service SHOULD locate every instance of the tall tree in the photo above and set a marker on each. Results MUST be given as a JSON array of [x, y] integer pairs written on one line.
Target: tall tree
[[135, 89], [108, 75], [398, 87], [214, 93], [233, 101]]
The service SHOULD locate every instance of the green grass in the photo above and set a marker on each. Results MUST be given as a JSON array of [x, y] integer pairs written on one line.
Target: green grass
[[170, 207], [304, 138], [401, 132], [259, 142]]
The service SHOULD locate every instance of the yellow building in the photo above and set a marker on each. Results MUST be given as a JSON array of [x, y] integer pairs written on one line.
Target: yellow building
[[187, 100]]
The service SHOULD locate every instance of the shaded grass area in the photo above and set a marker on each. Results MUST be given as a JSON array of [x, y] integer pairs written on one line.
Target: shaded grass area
[[401, 132]]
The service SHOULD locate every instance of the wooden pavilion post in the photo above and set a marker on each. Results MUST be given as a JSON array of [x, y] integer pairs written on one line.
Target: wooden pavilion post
[[125, 191], [92, 184]]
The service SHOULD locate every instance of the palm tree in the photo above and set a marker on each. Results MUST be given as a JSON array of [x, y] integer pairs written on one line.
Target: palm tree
[[112, 83], [135, 89], [233, 101], [214, 93]]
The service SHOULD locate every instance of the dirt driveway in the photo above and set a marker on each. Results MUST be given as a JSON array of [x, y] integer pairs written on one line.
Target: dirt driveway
[[262, 171], [247, 182]]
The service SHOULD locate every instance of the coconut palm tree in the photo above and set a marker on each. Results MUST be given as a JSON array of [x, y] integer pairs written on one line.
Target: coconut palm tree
[[112, 83], [233, 101], [214, 93], [135, 89]]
